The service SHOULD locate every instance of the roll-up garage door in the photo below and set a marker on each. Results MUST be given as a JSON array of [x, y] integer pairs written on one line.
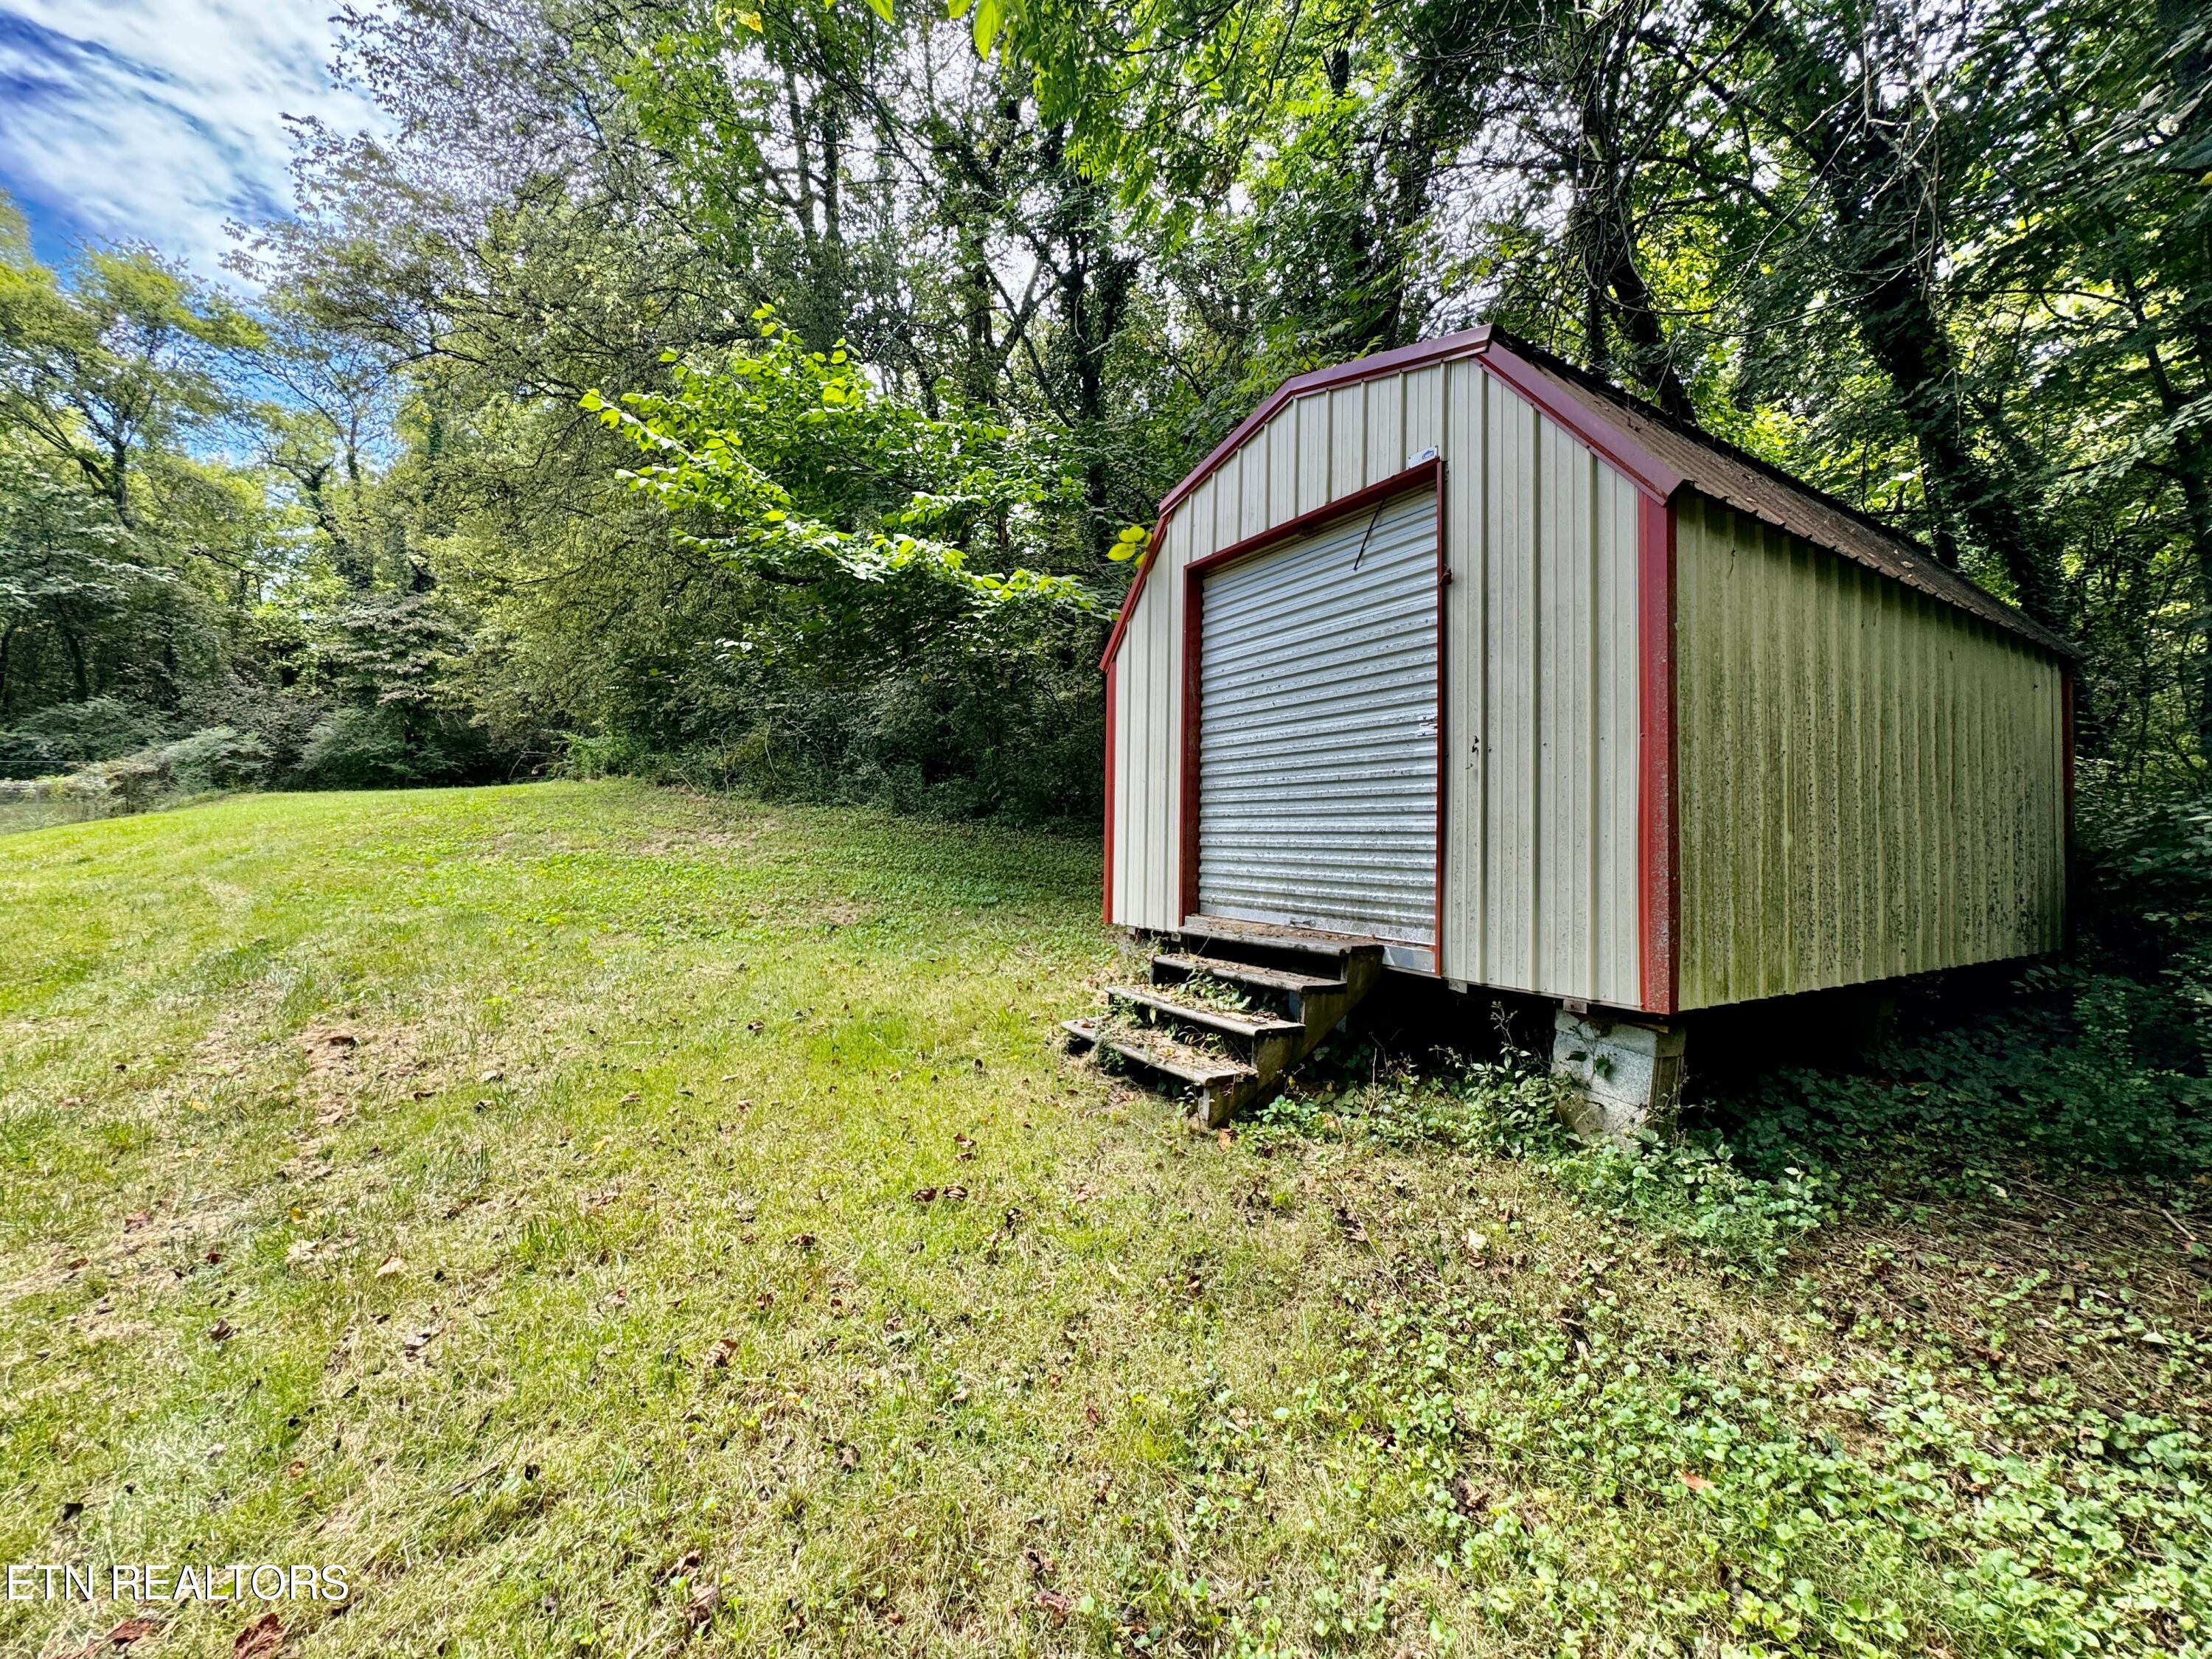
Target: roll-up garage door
[[1317, 729]]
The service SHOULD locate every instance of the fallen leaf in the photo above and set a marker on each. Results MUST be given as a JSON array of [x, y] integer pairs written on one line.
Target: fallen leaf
[[220, 1331], [1474, 1243], [70, 1510], [704, 1603], [296, 1467], [848, 1457], [1054, 1603], [1227, 1139], [924, 1195], [629, 1098], [264, 1637], [136, 1219], [493, 1077], [1038, 1561], [129, 1631], [953, 1194], [1694, 1482], [803, 1241], [391, 1265]]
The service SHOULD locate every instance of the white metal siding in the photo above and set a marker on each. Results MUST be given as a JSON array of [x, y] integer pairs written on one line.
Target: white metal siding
[[1317, 746], [1539, 681]]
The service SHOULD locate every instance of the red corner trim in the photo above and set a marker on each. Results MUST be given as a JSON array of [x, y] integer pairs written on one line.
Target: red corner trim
[[1659, 897], [1107, 902]]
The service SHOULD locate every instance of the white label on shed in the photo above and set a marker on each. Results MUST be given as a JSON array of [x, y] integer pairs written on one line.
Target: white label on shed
[[1317, 729]]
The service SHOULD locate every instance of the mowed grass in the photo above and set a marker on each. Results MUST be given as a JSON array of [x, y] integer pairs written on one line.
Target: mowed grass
[[605, 1220]]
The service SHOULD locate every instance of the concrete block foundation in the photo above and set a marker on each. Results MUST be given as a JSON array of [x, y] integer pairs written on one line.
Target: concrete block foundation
[[1627, 1075]]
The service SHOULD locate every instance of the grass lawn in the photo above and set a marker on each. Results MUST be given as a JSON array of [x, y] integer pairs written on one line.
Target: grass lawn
[[604, 1221]]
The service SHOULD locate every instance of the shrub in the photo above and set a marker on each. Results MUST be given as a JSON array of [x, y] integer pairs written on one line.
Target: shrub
[[65, 736], [383, 747]]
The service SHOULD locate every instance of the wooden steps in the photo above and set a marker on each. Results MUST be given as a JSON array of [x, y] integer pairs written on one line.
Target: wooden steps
[[1172, 967], [1232, 1010]]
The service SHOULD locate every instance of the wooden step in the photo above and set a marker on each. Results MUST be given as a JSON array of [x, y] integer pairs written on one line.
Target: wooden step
[[1273, 936], [1226, 1022], [1158, 1052], [1260, 979]]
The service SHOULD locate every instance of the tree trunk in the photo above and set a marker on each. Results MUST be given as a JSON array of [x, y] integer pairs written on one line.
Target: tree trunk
[[1882, 189]]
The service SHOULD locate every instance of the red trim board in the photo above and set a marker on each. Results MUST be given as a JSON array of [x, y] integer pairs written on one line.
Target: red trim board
[[1658, 890], [1398, 483], [1467, 344], [1107, 902], [1493, 350], [1614, 442], [1430, 472]]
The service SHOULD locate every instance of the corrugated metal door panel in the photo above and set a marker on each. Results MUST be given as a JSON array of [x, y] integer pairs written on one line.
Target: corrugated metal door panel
[[1317, 736]]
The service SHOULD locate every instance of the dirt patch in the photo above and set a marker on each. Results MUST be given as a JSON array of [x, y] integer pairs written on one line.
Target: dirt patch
[[349, 1065], [674, 842]]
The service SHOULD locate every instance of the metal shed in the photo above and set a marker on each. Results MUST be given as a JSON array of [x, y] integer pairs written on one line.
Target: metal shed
[[1459, 650]]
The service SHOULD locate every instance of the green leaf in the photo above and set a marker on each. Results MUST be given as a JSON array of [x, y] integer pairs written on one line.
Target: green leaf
[[989, 15], [592, 401], [882, 9]]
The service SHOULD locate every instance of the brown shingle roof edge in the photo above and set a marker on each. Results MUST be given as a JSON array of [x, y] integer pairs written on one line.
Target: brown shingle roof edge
[[1718, 469]]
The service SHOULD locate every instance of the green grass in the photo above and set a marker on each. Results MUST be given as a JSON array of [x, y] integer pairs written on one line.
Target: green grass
[[640, 1223]]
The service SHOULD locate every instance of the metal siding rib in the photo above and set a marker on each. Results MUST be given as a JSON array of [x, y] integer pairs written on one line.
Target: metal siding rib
[[1465, 693], [1317, 797], [1871, 784]]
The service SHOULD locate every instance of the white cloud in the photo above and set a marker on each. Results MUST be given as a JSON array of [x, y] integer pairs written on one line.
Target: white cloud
[[157, 120]]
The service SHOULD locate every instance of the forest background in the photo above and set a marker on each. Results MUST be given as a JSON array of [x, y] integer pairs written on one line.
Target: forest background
[[776, 399]]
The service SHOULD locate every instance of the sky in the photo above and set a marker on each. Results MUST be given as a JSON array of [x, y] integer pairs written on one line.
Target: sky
[[158, 120]]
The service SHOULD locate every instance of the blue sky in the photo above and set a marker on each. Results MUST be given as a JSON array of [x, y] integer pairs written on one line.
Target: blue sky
[[157, 120]]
